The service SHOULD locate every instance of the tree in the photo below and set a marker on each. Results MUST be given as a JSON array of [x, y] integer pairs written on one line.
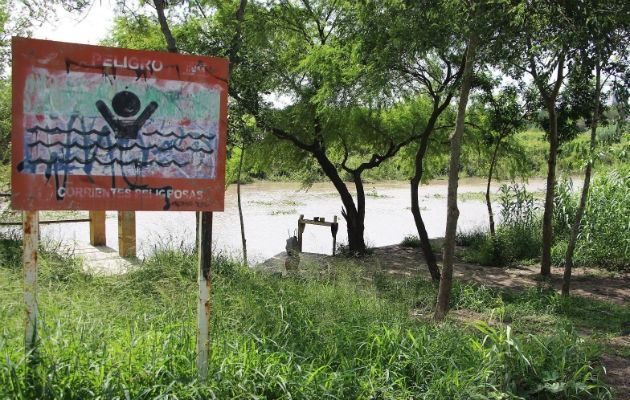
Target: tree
[[243, 134], [504, 117], [480, 24], [546, 36], [606, 38], [308, 51], [411, 50], [452, 213]]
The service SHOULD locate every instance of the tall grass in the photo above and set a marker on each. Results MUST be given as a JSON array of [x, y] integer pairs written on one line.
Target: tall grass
[[604, 236], [328, 336], [518, 234]]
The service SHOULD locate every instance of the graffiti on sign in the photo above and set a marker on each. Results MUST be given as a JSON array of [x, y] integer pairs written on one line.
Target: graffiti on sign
[[102, 128]]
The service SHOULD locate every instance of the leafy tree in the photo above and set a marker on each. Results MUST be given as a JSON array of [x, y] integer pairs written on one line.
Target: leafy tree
[[481, 23], [411, 51], [503, 117], [547, 35], [307, 48], [607, 37]]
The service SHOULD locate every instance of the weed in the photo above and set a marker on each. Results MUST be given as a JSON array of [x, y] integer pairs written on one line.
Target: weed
[[472, 196], [331, 336], [283, 212], [376, 195], [411, 241], [261, 203]]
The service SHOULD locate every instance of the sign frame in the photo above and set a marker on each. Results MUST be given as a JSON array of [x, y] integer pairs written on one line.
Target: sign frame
[[166, 186]]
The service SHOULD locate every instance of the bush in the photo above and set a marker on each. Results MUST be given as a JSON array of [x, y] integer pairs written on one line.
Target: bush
[[518, 234], [605, 232], [411, 241], [604, 236]]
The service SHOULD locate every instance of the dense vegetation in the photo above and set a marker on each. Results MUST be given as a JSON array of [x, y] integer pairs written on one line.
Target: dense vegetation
[[350, 92], [604, 238], [332, 335]]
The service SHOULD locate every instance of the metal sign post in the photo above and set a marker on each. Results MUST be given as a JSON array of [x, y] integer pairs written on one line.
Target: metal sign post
[[204, 301], [30, 221]]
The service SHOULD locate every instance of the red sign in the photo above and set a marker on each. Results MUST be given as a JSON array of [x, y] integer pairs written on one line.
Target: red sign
[[98, 128]]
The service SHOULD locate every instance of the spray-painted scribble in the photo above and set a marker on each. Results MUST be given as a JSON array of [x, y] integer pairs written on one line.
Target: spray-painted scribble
[[70, 128], [100, 128]]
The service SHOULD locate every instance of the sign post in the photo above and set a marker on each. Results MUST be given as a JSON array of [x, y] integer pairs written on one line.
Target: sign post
[[97, 228], [204, 301], [30, 221], [127, 234], [97, 128]]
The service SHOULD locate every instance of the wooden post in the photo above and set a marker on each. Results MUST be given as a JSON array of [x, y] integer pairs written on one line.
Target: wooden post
[[127, 234], [204, 300], [301, 226], [30, 225], [97, 228]]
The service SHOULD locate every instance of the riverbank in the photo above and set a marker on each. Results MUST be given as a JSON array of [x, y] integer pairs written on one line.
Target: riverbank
[[346, 331], [271, 211]]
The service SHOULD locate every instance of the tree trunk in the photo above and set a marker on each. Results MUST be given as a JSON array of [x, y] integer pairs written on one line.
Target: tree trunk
[[240, 209], [166, 31], [434, 270], [547, 234], [488, 202], [444, 295], [354, 217], [425, 244], [575, 228]]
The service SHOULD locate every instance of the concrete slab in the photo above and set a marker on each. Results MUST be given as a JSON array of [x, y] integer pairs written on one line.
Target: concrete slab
[[103, 260]]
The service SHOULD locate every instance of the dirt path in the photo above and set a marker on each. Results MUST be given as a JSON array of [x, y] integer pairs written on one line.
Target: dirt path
[[406, 261]]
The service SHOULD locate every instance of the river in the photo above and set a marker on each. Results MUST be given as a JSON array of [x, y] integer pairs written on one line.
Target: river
[[271, 211]]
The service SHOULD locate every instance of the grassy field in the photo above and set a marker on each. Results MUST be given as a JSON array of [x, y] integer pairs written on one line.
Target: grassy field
[[333, 334]]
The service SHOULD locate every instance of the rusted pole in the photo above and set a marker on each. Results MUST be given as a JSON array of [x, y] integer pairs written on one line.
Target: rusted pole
[[205, 280], [31, 236], [127, 234], [97, 228]]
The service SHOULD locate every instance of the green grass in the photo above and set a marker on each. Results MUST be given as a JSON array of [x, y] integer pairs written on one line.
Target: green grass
[[472, 196], [283, 212], [411, 241], [333, 335]]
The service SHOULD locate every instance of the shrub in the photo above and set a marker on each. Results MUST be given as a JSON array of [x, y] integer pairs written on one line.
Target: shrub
[[604, 236], [411, 241]]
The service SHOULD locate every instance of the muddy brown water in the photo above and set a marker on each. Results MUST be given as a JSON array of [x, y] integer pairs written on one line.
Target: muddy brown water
[[271, 211]]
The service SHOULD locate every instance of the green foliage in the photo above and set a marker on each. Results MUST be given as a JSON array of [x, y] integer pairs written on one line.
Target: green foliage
[[604, 236], [335, 336], [602, 240], [411, 241], [518, 234], [5, 127]]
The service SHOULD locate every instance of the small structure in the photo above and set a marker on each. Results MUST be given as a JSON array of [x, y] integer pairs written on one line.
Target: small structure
[[293, 254], [334, 227]]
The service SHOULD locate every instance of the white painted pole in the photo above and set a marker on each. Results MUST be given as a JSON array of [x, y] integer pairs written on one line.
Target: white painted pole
[[30, 225], [205, 280]]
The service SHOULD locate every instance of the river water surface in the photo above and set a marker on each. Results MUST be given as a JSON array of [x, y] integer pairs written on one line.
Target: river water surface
[[271, 211]]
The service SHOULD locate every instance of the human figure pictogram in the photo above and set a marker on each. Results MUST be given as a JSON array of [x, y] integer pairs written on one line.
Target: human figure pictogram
[[126, 105]]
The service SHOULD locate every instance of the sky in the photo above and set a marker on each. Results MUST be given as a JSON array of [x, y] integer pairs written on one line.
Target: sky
[[89, 28]]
